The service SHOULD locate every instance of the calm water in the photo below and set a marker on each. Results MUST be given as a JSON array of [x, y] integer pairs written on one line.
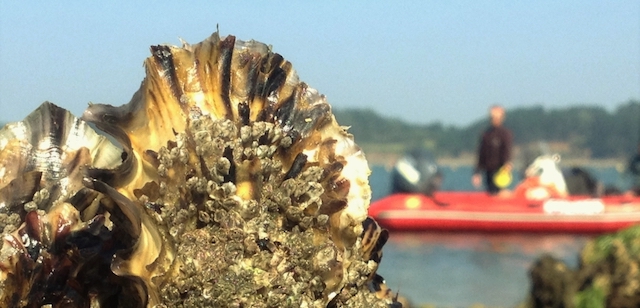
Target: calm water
[[460, 269]]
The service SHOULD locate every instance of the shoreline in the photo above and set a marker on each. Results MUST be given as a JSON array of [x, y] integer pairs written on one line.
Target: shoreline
[[388, 159]]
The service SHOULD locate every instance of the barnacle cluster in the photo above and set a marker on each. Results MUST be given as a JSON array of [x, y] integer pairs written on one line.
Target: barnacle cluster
[[231, 185]]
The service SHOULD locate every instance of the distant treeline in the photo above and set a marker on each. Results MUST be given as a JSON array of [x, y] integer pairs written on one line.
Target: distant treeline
[[583, 130]]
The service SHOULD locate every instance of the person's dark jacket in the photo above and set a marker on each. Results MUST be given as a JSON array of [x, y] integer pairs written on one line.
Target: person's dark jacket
[[495, 149]]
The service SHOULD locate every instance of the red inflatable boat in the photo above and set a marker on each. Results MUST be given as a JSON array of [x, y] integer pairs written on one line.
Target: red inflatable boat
[[477, 211]]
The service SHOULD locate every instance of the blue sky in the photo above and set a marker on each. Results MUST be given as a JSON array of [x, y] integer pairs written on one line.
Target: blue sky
[[422, 61]]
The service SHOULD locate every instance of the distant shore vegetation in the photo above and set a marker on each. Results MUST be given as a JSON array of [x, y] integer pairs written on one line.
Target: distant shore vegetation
[[576, 132]]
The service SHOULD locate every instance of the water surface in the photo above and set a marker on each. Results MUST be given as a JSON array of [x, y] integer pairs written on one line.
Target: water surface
[[460, 269]]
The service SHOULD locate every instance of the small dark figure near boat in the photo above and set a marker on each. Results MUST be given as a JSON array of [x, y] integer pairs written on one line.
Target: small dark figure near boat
[[416, 172], [634, 170], [581, 182]]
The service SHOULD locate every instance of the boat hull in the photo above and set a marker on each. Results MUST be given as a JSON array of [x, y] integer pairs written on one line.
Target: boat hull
[[472, 211]]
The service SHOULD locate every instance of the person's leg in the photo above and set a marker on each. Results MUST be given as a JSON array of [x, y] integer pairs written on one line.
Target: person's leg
[[490, 185]]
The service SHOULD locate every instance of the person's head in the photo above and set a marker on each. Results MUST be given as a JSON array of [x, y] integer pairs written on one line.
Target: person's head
[[496, 113]]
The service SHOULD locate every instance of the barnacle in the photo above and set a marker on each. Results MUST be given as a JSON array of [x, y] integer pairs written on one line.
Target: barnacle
[[232, 185]]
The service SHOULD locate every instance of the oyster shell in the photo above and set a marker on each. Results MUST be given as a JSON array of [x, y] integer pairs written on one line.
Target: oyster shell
[[48, 249], [257, 93], [234, 186]]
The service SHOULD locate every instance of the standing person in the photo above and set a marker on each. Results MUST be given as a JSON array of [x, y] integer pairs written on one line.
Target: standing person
[[494, 151]]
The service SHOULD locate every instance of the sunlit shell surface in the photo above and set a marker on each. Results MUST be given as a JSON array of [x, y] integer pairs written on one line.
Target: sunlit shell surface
[[232, 186]]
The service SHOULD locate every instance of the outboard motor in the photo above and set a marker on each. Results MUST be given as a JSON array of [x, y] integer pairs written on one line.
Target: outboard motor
[[416, 172], [546, 168], [543, 179]]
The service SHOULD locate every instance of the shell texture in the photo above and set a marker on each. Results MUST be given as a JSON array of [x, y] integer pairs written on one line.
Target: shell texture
[[54, 146], [232, 185]]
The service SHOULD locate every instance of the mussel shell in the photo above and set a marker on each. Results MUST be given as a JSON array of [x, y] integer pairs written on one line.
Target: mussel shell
[[56, 146]]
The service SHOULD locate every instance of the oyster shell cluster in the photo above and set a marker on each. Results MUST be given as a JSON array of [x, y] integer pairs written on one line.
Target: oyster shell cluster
[[224, 182]]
